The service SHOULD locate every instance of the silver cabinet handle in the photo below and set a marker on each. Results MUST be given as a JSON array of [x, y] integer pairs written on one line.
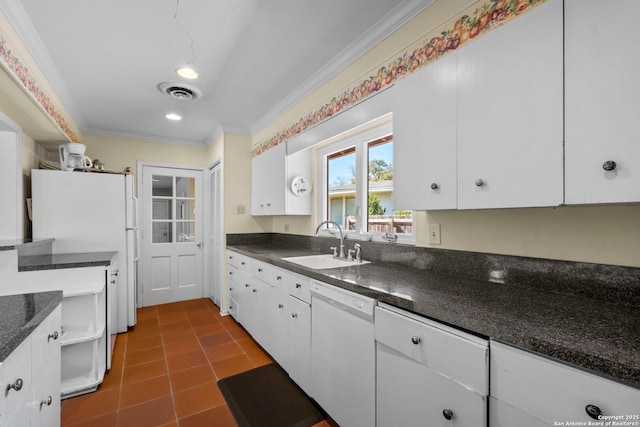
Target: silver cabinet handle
[[255, 291], [609, 165], [434, 186], [278, 277], [298, 285], [294, 315], [416, 340], [246, 285], [479, 182], [280, 306], [54, 335], [46, 401], [17, 385]]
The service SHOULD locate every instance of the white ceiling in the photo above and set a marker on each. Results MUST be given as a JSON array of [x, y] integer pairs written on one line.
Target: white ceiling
[[256, 58]]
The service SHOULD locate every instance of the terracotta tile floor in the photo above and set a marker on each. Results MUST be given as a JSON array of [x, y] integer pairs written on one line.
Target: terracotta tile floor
[[165, 371]]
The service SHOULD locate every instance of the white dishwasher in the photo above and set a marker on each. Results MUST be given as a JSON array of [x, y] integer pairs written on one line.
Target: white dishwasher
[[343, 350]]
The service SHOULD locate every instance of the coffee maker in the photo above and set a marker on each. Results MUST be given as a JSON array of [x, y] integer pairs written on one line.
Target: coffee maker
[[72, 157]]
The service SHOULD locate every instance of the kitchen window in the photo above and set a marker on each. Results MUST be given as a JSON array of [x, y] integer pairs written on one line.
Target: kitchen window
[[357, 187]]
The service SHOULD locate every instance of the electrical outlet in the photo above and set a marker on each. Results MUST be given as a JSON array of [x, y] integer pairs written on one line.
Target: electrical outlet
[[286, 228], [240, 210], [434, 234]]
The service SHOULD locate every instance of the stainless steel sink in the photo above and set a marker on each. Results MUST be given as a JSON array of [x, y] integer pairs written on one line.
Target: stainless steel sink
[[320, 262]]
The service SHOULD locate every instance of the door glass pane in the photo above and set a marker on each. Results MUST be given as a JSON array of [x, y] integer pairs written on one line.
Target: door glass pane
[[381, 216], [185, 187], [162, 209], [341, 181], [162, 232], [162, 185], [186, 231], [185, 209]]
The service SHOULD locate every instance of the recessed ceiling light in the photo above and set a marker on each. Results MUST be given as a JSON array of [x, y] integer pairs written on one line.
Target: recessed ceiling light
[[187, 73], [173, 116]]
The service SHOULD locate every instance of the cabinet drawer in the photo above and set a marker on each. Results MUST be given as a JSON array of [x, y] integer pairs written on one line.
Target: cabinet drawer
[[551, 391], [419, 396], [456, 355], [300, 287], [238, 276], [239, 261]]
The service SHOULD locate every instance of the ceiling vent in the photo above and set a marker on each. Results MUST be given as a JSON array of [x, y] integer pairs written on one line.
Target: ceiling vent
[[180, 91]]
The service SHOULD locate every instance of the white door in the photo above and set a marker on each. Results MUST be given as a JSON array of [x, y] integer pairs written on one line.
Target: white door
[[172, 260]]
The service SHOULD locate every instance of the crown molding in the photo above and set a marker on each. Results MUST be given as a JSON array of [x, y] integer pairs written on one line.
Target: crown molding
[[385, 27]]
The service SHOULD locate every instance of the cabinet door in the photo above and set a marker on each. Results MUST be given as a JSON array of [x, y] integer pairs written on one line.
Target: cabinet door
[[602, 101], [45, 394], [299, 315], [419, 396], [15, 385], [259, 316], [424, 134], [510, 105], [281, 333], [268, 182]]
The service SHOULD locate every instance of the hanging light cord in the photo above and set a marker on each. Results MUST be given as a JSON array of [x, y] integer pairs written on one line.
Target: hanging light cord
[[186, 33]]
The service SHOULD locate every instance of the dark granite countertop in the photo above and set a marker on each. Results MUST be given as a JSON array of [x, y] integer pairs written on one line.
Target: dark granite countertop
[[21, 314], [8, 245], [601, 337], [70, 260]]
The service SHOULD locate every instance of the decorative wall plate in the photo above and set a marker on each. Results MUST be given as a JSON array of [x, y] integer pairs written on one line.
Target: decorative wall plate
[[300, 186]]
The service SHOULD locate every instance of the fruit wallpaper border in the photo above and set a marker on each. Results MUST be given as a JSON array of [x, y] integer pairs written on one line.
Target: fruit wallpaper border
[[475, 21], [15, 65]]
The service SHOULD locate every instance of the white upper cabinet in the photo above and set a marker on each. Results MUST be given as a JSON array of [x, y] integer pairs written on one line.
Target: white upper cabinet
[[602, 146], [509, 112], [424, 133], [280, 184], [267, 181]]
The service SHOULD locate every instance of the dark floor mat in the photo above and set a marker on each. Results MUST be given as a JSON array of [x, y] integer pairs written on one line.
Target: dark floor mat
[[266, 396]]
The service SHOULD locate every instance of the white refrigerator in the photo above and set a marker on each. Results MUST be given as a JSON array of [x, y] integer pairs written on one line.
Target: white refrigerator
[[91, 212]]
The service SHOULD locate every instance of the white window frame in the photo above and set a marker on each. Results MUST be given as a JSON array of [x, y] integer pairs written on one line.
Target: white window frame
[[360, 141]]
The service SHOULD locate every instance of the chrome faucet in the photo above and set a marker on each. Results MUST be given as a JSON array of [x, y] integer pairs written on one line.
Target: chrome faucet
[[341, 236]]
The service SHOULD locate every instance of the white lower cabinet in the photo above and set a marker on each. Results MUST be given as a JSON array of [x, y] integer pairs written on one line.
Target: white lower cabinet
[[292, 336], [537, 391], [30, 378], [428, 374]]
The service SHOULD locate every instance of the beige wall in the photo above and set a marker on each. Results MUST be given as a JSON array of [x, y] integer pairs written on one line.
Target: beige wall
[[118, 153], [236, 168], [32, 153]]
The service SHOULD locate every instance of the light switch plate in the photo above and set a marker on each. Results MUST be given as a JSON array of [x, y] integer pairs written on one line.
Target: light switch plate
[[434, 234]]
